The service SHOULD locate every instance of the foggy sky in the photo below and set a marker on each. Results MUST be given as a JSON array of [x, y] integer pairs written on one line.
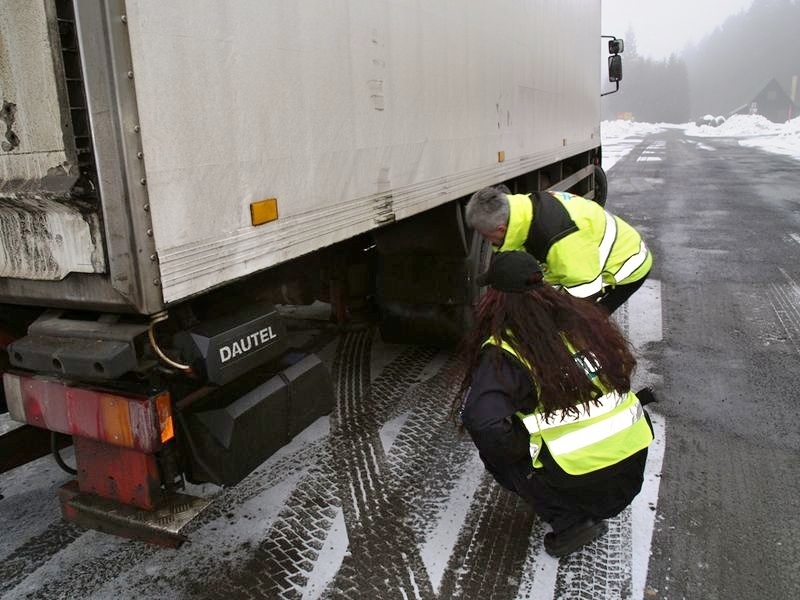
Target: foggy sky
[[663, 28]]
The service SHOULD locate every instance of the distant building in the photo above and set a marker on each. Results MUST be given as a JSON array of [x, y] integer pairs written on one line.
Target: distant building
[[772, 102]]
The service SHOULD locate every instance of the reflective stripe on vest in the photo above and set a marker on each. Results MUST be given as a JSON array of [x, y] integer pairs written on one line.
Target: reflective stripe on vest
[[585, 290], [606, 404], [595, 286], [597, 436], [605, 248], [633, 263], [590, 433], [609, 237]]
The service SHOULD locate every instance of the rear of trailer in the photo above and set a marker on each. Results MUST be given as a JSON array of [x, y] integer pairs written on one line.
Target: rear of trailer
[[174, 173]]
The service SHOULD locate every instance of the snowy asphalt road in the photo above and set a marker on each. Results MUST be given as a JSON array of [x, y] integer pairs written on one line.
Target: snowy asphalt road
[[724, 223], [383, 500]]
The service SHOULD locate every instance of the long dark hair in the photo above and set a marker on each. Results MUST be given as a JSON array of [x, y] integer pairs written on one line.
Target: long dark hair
[[536, 324]]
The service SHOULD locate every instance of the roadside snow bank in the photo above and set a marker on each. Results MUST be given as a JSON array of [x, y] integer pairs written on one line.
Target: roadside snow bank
[[755, 131], [611, 130]]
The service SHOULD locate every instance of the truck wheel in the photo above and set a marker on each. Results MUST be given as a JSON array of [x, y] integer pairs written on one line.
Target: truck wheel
[[600, 185], [434, 322], [480, 255]]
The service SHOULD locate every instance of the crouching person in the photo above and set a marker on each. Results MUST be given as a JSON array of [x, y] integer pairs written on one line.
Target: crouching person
[[546, 399]]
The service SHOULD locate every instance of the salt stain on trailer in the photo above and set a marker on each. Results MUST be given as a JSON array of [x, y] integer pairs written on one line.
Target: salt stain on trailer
[[44, 239]]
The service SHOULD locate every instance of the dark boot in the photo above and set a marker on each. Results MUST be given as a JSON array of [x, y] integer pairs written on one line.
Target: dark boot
[[572, 538]]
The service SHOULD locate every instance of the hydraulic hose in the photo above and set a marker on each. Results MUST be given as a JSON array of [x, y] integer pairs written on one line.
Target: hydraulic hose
[[157, 318], [57, 454]]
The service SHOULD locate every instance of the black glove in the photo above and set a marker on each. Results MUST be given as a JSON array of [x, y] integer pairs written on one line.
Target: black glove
[[646, 396]]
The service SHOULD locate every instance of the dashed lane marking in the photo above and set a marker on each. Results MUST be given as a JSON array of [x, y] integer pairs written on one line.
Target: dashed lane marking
[[653, 152], [643, 507]]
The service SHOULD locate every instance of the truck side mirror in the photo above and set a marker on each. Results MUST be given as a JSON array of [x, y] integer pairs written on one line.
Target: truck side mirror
[[615, 68], [615, 48]]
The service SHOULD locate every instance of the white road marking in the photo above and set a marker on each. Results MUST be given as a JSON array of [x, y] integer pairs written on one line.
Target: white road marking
[[329, 559], [439, 543], [653, 152], [643, 507], [643, 313], [641, 320]]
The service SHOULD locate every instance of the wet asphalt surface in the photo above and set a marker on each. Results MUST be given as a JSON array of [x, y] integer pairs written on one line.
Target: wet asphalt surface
[[383, 498], [724, 223]]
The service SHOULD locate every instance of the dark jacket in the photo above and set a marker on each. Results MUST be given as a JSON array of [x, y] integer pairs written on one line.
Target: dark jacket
[[584, 248], [488, 415]]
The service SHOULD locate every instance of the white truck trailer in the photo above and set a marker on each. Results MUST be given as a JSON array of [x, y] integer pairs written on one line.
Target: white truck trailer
[[172, 171]]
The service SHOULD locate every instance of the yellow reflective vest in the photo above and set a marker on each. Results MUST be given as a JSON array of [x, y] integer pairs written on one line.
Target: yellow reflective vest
[[583, 247], [598, 436]]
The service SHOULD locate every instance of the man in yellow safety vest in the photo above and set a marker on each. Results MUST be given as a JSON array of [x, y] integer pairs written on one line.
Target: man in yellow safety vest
[[583, 248]]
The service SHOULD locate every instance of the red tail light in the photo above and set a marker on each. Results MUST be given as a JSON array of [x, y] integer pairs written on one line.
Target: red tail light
[[140, 422]]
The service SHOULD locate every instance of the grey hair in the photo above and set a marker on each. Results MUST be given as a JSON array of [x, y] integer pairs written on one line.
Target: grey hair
[[487, 209]]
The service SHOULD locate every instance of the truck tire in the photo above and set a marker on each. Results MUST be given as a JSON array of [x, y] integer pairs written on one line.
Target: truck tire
[[600, 185], [480, 256], [437, 323]]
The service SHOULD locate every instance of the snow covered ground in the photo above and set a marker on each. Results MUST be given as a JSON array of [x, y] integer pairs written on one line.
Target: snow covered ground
[[619, 137], [43, 477]]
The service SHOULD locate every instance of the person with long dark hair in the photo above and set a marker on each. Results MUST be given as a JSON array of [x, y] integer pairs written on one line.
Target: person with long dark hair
[[546, 399]]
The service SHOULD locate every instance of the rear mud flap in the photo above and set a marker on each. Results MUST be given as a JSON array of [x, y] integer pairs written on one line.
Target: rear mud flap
[[228, 438]]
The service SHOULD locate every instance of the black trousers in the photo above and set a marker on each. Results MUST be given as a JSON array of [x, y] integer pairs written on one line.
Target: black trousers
[[616, 296], [564, 500], [600, 499]]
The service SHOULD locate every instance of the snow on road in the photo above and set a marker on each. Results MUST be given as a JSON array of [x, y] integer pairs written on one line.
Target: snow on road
[[244, 514]]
